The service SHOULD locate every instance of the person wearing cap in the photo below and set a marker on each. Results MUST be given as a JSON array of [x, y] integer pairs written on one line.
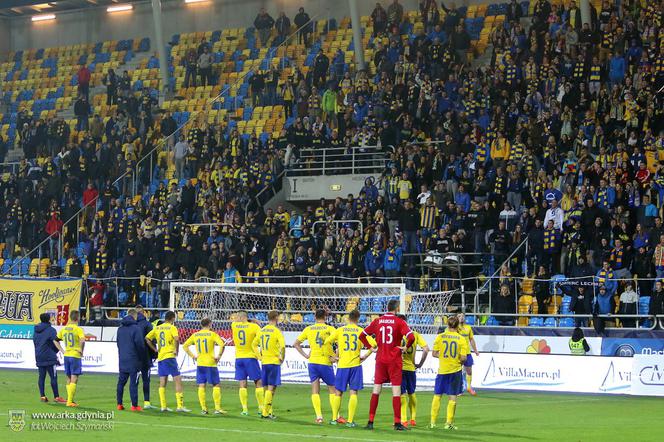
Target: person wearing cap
[[392, 260], [374, 263]]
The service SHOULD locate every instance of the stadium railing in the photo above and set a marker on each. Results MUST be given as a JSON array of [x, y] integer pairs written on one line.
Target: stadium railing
[[338, 161], [131, 176]]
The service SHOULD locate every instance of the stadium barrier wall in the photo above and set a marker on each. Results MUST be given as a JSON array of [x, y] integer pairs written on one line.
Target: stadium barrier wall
[[23, 300], [486, 343], [642, 375]]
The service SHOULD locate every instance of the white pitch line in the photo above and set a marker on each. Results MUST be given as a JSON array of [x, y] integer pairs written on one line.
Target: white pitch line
[[230, 430]]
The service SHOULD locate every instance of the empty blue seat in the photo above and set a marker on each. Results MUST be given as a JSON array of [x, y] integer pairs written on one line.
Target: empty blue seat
[[567, 322], [470, 320], [190, 315], [550, 322], [123, 297], [308, 318], [143, 298], [535, 322], [492, 321]]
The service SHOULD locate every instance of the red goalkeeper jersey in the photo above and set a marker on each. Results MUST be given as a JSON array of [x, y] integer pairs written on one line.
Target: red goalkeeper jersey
[[389, 332]]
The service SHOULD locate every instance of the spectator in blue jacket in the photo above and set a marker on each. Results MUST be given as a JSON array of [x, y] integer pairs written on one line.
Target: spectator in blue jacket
[[374, 261], [617, 68], [462, 199], [145, 327], [131, 354], [47, 347], [392, 260]]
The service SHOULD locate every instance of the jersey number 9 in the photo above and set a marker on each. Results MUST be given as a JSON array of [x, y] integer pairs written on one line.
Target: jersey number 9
[[242, 337]]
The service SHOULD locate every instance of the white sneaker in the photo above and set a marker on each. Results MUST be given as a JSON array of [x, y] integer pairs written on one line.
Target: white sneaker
[[149, 407], [219, 411], [182, 410], [166, 409]]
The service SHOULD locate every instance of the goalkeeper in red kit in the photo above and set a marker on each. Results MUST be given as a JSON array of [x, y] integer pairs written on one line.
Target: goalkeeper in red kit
[[389, 331]]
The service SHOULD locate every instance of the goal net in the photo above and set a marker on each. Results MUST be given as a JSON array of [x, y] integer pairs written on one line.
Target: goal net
[[297, 303]]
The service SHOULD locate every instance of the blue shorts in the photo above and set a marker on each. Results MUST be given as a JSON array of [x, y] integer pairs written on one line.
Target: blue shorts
[[271, 375], [168, 367], [247, 368], [73, 366], [324, 372], [349, 377], [207, 375], [469, 360], [449, 384], [408, 382]]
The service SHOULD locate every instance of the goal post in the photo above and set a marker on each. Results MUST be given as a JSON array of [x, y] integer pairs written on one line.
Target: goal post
[[193, 301]]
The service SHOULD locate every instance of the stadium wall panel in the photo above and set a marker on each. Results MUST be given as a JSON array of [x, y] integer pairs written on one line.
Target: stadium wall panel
[[501, 371]]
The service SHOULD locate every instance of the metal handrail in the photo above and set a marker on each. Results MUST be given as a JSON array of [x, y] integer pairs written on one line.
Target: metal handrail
[[655, 319], [336, 223], [271, 188], [328, 160], [210, 102], [159, 144]]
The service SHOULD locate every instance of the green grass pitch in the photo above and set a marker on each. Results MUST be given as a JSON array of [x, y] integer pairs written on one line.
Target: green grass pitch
[[491, 416]]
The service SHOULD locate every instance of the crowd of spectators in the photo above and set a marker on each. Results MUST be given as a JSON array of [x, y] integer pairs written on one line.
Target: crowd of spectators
[[559, 138]]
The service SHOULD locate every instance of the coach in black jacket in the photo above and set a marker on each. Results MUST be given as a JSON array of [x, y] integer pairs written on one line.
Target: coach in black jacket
[[131, 353]]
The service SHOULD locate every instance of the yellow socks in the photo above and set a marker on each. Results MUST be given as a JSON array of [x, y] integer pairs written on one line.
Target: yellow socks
[[71, 391], [162, 397], [404, 409], [179, 399], [267, 404], [412, 404], [260, 394], [451, 408], [216, 395], [469, 381], [243, 399], [352, 407], [435, 408], [201, 398], [315, 400], [335, 403]]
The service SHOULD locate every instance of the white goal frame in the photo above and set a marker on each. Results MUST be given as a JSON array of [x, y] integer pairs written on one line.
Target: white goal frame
[[250, 285]]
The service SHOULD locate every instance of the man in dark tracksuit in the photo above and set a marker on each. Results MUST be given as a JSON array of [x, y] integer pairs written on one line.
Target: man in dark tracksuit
[[131, 353], [145, 327], [46, 355]]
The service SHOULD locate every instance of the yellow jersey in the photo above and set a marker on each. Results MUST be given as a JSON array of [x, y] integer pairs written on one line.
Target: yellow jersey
[[205, 341], [165, 335], [348, 344], [450, 346], [271, 343], [466, 331], [243, 337], [409, 356], [72, 335], [404, 187], [316, 335]]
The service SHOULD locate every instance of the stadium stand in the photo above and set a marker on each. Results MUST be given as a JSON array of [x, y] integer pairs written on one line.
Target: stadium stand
[[499, 123]]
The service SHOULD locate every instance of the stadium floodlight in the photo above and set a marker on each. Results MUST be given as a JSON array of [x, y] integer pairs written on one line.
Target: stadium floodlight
[[43, 17], [297, 302], [119, 8], [194, 1]]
